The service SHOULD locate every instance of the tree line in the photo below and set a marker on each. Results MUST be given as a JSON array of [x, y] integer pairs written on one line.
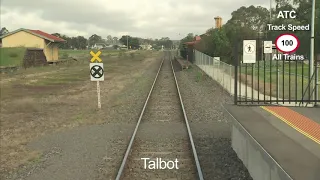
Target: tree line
[[251, 23], [80, 42]]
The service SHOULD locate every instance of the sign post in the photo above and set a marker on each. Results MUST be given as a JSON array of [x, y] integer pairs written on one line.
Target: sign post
[[249, 51], [97, 72], [98, 93]]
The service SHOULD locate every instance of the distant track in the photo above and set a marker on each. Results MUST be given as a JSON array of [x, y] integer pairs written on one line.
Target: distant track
[[162, 131]]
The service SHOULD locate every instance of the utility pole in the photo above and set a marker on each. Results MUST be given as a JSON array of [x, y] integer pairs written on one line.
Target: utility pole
[[127, 42], [311, 64], [270, 10]]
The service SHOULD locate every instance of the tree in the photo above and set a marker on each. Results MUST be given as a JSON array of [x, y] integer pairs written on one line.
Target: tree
[[94, 39], [250, 23], [188, 38], [115, 40], [125, 40], [3, 31], [254, 18], [133, 42], [67, 44], [80, 42], [109, 39], [215, 43], [165, 42]]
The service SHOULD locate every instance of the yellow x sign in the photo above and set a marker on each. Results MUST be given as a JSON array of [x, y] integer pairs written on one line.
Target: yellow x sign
[[95, 56]]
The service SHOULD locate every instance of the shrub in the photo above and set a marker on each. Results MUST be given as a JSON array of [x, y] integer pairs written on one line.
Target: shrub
[[13, 54], [65, 55]]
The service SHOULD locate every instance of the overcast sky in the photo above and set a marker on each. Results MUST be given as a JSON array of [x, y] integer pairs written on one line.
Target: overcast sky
[[142, 18]]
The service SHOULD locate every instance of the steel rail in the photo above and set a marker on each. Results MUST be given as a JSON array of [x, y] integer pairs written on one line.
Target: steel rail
[[188, 127], [199, 171], [137, 126]]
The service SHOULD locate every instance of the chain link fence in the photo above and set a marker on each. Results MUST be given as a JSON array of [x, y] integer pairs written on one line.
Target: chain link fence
[[219, 71]]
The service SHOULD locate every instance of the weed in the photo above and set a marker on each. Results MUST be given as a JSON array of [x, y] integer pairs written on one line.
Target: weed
[[13, 54], [132, 55], [199, 76], [65, 55]]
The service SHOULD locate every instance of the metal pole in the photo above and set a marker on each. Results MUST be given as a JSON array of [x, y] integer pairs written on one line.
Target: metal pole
[[311, 64], [316, 87], [98, 92], [270, 10], [127, 42], [235, 91], [213, 68], [278, 85], [230, 76], [223, 85]]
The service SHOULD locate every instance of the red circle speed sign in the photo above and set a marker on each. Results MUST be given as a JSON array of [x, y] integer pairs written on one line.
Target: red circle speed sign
[[287, 43]]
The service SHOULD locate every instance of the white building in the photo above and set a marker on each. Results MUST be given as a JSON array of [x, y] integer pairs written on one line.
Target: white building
[[146, 47], [98, 46]]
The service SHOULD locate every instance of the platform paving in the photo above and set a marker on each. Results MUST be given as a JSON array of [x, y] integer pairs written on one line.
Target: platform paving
[[298, 155], [312, 113]]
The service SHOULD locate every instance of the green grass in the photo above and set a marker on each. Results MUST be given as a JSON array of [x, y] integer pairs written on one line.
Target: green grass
[[65, 53], [11, 56], [289, 84]]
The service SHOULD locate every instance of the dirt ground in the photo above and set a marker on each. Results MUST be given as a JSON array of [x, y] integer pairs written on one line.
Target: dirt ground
[[46, 103]]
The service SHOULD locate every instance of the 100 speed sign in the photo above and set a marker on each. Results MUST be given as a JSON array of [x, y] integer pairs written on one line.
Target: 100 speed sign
[[287, 43]]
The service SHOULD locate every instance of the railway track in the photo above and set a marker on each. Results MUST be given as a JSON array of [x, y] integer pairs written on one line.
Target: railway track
[[161, 146]]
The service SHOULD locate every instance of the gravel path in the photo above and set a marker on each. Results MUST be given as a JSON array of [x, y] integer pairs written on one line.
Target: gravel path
[[92, 152], [210, 128]]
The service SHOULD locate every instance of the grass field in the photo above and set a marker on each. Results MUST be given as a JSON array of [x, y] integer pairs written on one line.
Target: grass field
[[292, 80], [14, 56], [11, 56], [65, 53], [41, 100]]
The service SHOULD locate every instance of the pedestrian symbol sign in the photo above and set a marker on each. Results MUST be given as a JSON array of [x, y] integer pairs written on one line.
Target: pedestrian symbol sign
[[96, 72], [249, 51], [249, 48]]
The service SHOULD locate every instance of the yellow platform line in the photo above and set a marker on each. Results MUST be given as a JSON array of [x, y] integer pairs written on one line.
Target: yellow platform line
[[292, 125]]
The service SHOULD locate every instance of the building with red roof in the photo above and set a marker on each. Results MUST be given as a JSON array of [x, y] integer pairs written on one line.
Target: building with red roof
[[196, 40], [34, 39]]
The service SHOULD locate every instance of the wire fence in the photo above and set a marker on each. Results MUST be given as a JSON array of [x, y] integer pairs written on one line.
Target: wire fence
[[219, 71]]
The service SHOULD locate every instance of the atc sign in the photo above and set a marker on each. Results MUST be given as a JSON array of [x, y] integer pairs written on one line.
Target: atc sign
[[96, 72]]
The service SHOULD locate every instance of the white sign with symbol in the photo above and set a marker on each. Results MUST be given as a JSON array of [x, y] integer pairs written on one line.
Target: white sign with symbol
[[216, 60], [249, 51], [267, 47], [96, 72]]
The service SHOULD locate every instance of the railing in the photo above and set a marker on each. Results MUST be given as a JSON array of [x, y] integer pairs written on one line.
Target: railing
[[316, 84], [224, 74]]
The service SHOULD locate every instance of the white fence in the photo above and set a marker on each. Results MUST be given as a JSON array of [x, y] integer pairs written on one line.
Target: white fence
[[219, 71]]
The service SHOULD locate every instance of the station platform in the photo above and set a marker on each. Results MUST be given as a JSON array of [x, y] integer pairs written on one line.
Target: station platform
[[184, 63], [276, 142]]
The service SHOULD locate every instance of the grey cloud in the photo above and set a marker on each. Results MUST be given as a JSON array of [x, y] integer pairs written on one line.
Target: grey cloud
[[79, 14]]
